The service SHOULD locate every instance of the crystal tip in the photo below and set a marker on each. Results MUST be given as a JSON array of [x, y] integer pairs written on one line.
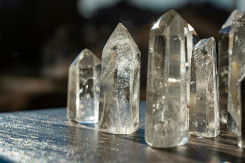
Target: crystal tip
[[86, 50], [171, 10], [167, 14], [205, 41], [120, 26]]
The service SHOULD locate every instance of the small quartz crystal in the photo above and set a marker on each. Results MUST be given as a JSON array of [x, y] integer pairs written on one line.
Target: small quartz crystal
[[237, 68], [225, 38], [170, 48], [204, 112], [120, 84], [83, 88]]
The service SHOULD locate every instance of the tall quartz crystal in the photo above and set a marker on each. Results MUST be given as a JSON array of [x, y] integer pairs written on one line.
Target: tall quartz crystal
[[170, 49], [225, 38], [120, 84], [237, 67], [204, 112], [83, 88]]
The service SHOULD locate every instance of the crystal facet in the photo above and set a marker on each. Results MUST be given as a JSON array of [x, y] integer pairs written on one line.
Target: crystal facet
[[204, 112], [237, 68], [83, 88], [225, 35], [170, 47], [120, 84], [241, 113]]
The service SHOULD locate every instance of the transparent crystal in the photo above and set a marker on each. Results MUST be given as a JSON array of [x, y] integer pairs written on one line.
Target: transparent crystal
[[84, 88], [191, 39], [225, 35], [120, 84], [170, 46], [241, 112], [237, 68], [204, 112]]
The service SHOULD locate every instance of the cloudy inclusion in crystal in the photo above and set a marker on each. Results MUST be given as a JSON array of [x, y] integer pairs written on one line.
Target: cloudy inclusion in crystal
[[204, 112], [170, 46], [83, 88], [120, 81]]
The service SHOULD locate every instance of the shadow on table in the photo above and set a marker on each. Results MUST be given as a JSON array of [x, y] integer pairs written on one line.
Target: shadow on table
[[138, 136]]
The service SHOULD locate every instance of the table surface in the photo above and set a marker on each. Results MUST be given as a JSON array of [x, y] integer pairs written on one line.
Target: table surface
[[47, 136]]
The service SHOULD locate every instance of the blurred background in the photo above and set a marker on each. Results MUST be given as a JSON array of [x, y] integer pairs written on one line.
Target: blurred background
[[40, 38]]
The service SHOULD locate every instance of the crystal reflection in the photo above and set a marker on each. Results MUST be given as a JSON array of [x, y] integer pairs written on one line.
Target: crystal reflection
[[83, 138]]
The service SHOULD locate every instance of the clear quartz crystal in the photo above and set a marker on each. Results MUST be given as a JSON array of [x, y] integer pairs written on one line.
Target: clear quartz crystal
[[170, 46], [237, 68], [84, 88], [241, 112], [225, 35], [204, 112], [120, 84]]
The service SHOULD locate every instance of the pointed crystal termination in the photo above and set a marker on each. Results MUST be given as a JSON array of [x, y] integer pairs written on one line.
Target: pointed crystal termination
[[241, 108], [170, 47], [84, 88], [120, 81], [225, 36], [237, 68], [204, 111]]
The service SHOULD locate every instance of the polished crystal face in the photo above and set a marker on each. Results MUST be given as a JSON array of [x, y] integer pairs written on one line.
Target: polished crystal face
[[204, 112], [170, 49], [83, 88], [120, 84], [225, 37], [237, 67]]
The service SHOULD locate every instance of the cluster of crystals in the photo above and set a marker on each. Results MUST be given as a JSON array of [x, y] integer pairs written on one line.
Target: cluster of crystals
[[204, 113], [84, 88], [170, 46], [225, 45], [120, 81], [181, 74]]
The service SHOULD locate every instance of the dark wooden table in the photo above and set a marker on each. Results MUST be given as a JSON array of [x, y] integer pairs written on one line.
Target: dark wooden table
[[47, 136]]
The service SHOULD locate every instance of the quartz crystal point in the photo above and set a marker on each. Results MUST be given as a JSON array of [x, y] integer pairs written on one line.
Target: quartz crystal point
[[204, 112], [237, 67], [170, 48], [83, 88], [120, 84], [241, 116], [225, 36]]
